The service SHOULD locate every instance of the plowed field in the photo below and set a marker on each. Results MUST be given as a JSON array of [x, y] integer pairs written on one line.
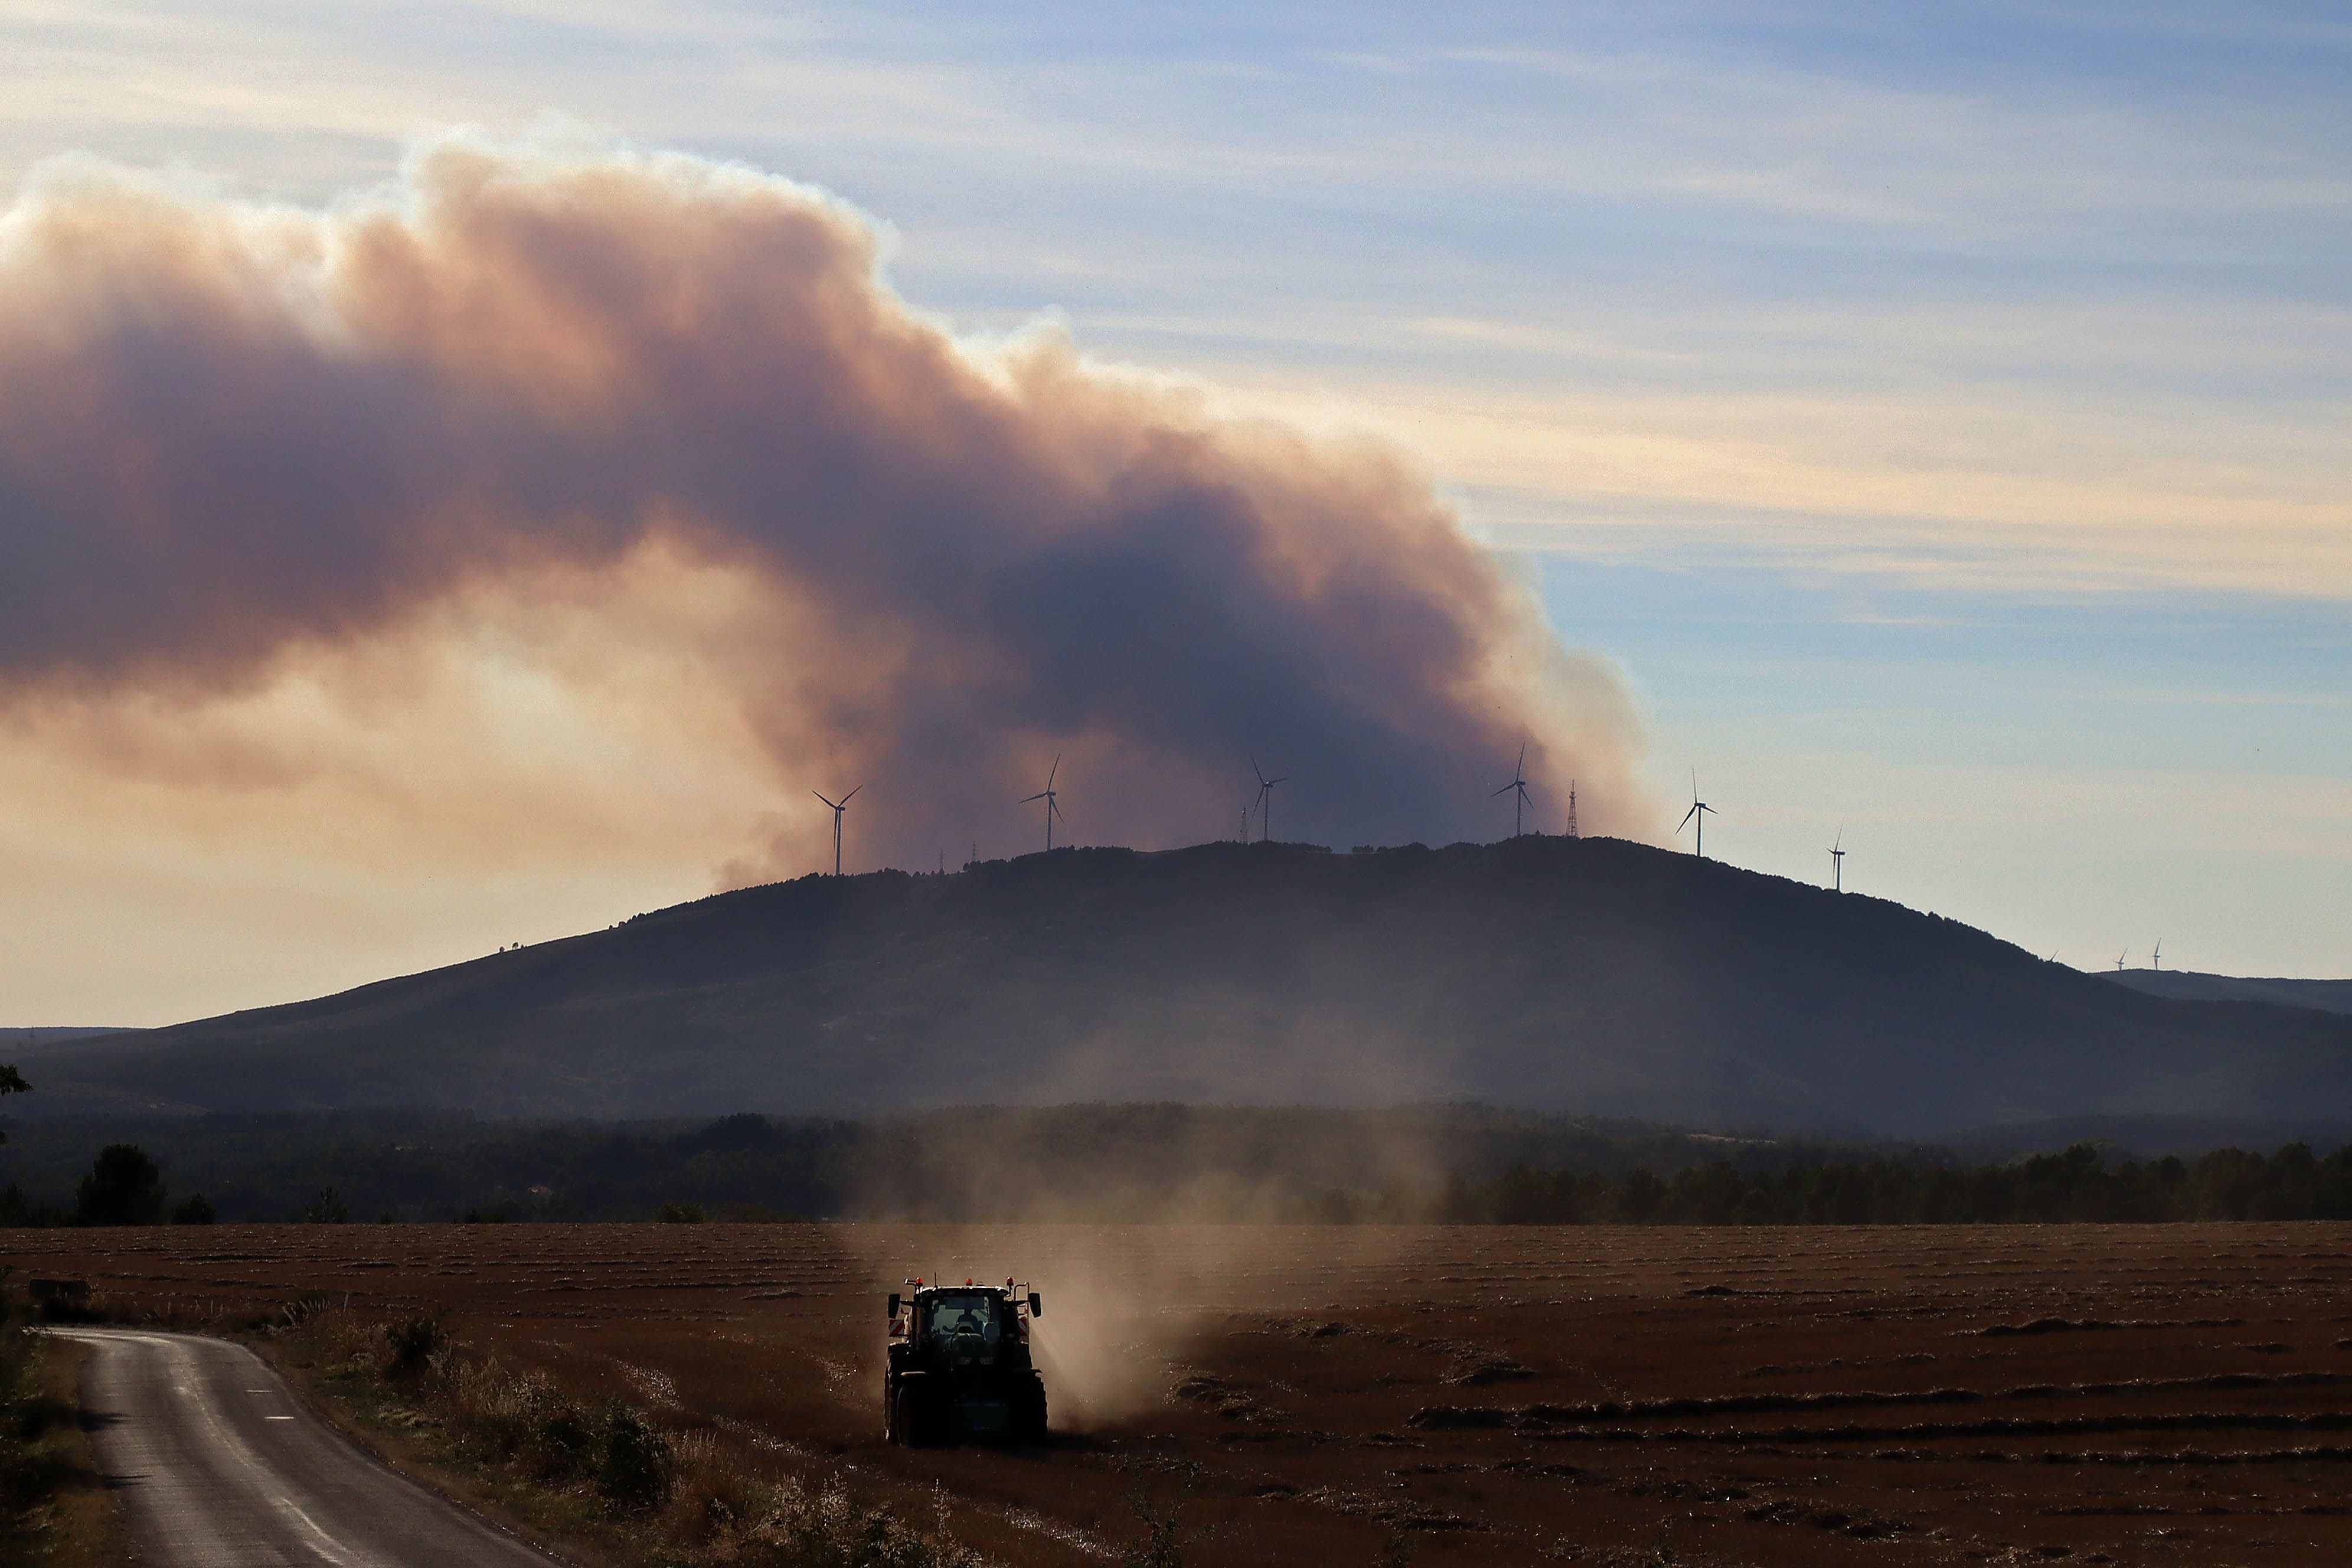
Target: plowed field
[[2173, 1395]]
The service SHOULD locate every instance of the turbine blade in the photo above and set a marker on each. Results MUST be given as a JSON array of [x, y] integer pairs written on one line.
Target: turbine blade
[[851, 795], [1686, 816], [1504, 790], [826, 802], [1057, 768], [1026, 799]]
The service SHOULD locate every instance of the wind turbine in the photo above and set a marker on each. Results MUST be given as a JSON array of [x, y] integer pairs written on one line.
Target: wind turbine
[[1053, 804], [1266, 801], [2119, 959], [838, 808], [1518, 788], [2156, 959], [1700, 810], [1837, 861]]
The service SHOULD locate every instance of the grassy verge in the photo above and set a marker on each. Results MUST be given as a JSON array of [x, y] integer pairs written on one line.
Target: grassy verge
[[55, 1510], [599, 1482]]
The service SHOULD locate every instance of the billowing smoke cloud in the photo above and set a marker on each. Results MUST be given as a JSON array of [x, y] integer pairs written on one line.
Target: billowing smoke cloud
[[234, 438]]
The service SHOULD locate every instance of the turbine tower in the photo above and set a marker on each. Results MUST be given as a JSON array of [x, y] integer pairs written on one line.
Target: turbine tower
[[838, 808], [1518, 790], [1266, 801], [1837, 861], [1053, 804], [1701, 811]]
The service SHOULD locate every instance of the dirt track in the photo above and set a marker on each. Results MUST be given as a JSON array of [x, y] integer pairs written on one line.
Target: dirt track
[[2141, 1396]]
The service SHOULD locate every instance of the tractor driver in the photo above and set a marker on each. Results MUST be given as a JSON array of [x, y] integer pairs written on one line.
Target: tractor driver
[[969, 1315]]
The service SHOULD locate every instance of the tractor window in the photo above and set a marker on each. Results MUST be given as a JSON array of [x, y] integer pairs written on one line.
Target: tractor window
[[952, 1316]]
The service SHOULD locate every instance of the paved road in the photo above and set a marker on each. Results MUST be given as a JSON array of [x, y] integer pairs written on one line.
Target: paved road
[[218, 1466]]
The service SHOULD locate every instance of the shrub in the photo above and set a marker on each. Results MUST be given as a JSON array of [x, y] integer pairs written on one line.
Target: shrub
[[562, 1443], [411, 1344], [632, 1461]]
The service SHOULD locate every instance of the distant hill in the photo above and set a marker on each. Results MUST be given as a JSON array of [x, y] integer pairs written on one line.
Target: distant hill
[[2188, 986], [1590, 975], [13, 1037]]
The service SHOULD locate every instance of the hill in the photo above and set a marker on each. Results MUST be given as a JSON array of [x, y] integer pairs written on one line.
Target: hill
[[2188, 986], [1592, 975], [11, 1038]]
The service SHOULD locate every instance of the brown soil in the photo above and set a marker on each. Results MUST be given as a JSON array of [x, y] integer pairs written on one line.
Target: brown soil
[[2161, 1394]]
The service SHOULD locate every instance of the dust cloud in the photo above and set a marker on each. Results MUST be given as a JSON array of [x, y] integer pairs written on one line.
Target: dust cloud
[[656, 429], [1126, 1306], [1148, 1229]]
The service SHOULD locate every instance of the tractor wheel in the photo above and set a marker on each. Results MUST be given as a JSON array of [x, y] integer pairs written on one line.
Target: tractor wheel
[[1029, 1414], [907, 1417]]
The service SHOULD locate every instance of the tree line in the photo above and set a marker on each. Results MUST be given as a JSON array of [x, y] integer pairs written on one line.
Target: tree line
[[2076, 1186], [1469, 1165]]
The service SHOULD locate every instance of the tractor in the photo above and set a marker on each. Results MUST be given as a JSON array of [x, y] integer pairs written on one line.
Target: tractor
[[960, 1367]]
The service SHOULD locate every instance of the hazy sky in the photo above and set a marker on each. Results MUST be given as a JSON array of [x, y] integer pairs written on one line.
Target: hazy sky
[[1941, 420]]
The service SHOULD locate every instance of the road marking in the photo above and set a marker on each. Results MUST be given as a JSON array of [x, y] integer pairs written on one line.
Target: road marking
[[278, 1418], [181, 1353]]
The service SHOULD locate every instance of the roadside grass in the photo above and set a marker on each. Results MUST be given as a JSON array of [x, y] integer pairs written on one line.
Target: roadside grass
[[598, 1481], [55, 1512]]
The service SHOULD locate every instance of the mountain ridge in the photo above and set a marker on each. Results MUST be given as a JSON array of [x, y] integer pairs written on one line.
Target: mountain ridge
[[2192, 985], [1588, 975]]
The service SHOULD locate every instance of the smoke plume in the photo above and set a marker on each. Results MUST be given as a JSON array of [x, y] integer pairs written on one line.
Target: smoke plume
[[238, 441]]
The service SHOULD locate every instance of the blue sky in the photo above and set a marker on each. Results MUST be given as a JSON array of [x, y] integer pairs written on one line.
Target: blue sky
[[1941, 414]]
